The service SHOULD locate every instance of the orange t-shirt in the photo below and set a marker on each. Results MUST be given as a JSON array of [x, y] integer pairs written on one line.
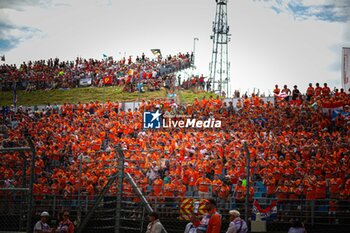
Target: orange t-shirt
[[157, 186], [203, 184], [224, 191], [216, 185]]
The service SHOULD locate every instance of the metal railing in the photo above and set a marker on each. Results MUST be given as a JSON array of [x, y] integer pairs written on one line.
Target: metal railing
[[312, 212]]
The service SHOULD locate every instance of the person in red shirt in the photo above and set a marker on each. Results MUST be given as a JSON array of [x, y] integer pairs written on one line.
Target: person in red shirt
[[211, 222], [342, 93], [318, 90], [310, 92], [326, 90], [66, 225]]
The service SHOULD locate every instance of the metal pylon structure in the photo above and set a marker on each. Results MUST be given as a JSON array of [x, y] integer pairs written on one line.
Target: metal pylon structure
[[220, 66]]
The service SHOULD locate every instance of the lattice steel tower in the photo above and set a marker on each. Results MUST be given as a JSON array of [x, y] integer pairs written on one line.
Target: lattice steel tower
[[220, 66]]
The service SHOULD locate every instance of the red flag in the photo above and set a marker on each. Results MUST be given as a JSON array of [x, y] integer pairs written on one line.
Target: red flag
[[107, 80]]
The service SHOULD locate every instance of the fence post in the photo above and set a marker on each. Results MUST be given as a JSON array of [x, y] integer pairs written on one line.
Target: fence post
[[23, 194], [79, 187], [24, 171], [86, 203], [312, 212], [32, 177], [54, 205], [120, 188], [142, 219], [248, 182]]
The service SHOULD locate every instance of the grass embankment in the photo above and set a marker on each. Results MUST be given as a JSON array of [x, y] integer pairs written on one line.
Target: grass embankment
[[84, 95]]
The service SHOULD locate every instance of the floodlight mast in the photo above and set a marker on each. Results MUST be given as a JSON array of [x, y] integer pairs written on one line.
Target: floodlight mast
[[219, 66]]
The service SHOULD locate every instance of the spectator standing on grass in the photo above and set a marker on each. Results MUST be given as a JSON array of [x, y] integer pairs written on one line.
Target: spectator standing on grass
[[295, 93], [286, 91], [42, 226], [326, 91], [155, 226], [318, 90], [237, 225], [310, 92]]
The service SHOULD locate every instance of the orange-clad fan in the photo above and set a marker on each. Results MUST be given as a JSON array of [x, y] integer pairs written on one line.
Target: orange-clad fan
[[203, 184]]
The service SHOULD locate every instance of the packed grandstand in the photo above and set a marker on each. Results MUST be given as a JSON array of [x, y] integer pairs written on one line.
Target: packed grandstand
[[56, 74], [298, 142]]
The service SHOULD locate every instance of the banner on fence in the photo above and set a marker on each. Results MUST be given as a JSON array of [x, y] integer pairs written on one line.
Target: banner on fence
[[268, 213], [190, 206], [85, 82]]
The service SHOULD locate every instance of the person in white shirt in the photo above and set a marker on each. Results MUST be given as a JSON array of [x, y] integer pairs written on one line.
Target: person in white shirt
[[42, 226], [155, 226], [237, 225]]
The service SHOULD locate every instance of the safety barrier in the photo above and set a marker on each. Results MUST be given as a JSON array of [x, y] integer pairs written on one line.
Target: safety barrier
[[175, 213]]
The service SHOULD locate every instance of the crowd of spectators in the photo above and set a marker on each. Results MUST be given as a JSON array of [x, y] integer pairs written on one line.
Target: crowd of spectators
[[129, 73], [297, 150], [195, 82]]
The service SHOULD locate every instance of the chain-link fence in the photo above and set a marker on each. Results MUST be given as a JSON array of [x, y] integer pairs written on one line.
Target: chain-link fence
[[115, 206], [174, 212]]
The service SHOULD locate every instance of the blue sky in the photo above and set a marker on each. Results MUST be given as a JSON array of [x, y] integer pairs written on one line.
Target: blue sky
[[273, 41]]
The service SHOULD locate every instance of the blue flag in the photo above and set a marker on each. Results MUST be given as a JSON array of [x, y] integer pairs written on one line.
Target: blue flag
[[337, 113]]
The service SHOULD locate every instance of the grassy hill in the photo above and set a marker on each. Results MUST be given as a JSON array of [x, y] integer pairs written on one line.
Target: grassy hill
[[83, 95]]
